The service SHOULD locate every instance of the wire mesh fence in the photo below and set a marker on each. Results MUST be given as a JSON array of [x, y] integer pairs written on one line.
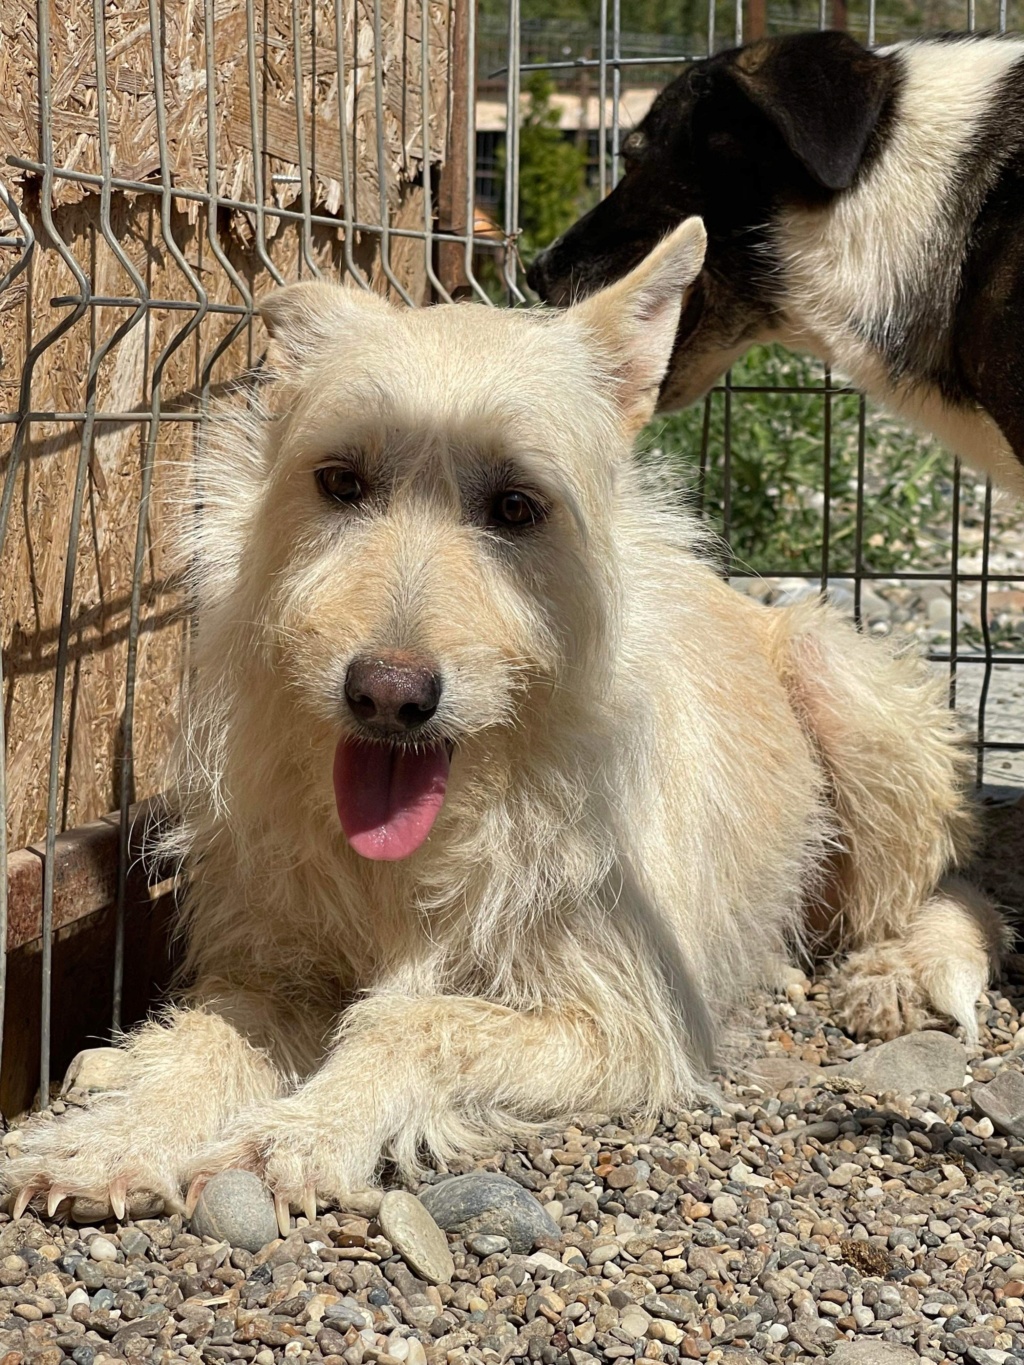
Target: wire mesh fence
[[163, 167]]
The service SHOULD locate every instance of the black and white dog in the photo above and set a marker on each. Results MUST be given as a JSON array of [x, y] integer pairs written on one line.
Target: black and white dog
[[867, 207]]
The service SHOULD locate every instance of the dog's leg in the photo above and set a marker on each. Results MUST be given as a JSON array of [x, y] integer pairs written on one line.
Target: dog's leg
[[183, 1078], [935, 970], [920, 948], [445, 1074]]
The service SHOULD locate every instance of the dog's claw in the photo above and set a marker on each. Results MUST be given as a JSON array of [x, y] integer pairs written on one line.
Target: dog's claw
[[22, 1200], [194, 1191], [117, 1194], [54, 1199], [284, 1217], [309, 1203]]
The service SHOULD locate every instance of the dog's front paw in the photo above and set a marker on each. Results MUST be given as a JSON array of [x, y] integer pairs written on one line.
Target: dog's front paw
[[112, 1157], [301, 1159], [876, 994]]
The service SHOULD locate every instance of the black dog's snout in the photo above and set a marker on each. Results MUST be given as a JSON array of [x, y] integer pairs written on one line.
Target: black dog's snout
[[536, 276], [391, 695], [548, 278]]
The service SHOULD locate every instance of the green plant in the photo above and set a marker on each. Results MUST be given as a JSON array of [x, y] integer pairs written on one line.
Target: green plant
[[551, 170], [778, 489]]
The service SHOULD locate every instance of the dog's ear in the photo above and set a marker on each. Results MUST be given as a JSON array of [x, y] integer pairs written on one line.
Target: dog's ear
[[824, 94], [634, 320], [301, 317]]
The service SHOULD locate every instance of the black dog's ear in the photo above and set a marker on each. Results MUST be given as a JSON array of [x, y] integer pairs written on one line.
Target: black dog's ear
[[823, 92]]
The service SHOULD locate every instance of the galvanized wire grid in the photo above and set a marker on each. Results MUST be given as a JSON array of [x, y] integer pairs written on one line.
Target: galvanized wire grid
[[356, 232], [873, 27], [284, 205]]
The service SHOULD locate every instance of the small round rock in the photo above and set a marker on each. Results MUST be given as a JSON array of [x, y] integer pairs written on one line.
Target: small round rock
[[416, 1237], [480, 1244], [236, 1207], [102, 1250], [485, 1202]]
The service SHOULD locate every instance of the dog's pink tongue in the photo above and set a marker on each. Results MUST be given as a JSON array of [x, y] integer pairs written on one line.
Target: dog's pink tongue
[[388, 796]]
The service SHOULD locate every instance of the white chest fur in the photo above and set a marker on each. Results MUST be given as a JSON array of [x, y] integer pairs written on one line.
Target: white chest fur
[[855, 271]]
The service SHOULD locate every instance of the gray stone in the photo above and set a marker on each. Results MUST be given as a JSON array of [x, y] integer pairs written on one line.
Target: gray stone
[[134, 1242], [416, 1237], [480, 1244], [918, 1061], [236, 1207], [940, 613], [90, 1273], [489, 1203], [635, 1322], [100, 1249], [844, 1174], [95, 1069], [542, 1264], [347, 1314], [872, 1353], [365, 1203], [1002, 1101], [777, 1073], [285, 1252], [873, 608], [674, 1307], [143, 1204]]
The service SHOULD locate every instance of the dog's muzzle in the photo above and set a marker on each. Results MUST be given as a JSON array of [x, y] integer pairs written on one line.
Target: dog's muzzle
[[542, 280]]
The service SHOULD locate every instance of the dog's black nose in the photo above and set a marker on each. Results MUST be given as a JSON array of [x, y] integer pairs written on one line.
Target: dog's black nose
[[391, 695]]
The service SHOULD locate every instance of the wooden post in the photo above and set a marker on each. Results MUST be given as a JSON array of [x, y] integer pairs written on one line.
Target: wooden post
[[839, 14], [757, 20], [452, 196]]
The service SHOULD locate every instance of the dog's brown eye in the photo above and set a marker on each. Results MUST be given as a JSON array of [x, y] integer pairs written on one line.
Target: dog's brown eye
[[515, 510], [339, 483]]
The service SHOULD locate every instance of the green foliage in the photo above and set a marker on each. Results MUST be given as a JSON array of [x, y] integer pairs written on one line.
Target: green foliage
[[551, 170], [677, 17], [777, 466]]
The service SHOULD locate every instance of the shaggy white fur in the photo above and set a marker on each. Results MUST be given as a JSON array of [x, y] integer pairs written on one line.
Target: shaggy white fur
[[656, 785]]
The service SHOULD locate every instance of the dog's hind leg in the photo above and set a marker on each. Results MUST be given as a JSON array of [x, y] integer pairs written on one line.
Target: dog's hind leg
[[183, 1078], [920, 948], [936, 969]]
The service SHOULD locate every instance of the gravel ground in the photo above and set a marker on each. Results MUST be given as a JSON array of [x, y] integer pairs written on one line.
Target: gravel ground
[[803, 1216]]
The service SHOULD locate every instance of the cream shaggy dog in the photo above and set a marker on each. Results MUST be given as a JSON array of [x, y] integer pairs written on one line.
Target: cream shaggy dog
[[496, 801]]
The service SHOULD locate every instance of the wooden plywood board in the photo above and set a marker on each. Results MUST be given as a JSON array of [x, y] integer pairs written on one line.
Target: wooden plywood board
[[266, 42], [116, 371]]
